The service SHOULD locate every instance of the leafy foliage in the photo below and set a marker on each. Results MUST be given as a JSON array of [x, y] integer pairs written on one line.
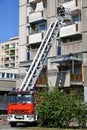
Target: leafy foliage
[[59, 109]]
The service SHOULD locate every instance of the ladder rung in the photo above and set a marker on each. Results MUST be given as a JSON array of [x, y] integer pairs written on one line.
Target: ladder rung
[[39, 66], [30, 83], [34, 75]]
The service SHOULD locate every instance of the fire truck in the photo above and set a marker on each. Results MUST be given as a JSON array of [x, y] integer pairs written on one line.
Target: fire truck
[[21, 107]]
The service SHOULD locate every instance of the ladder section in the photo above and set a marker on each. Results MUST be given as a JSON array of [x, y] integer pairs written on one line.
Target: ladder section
[[40, 58]]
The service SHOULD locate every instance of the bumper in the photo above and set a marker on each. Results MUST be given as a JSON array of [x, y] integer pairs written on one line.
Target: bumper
[[22, 118]]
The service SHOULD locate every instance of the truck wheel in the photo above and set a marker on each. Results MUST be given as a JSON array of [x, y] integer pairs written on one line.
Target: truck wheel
[[13, 124]]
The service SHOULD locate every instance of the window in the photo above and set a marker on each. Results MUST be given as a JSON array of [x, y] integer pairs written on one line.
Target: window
[[15, 76], [43, 27], [21, 98], [27, 19], [2, 47], [28, 55], [0, 75], [27, 39], [10, 75], [27, 1], [3, 75], [7, 75], [76, 18], [59, 50]]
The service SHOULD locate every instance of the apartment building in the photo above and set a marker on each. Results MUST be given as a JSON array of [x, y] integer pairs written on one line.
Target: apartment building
[[9, 53], [9, 63], [66, 65]]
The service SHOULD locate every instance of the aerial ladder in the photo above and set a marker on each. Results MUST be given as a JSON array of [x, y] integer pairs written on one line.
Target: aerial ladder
[[41, 56]]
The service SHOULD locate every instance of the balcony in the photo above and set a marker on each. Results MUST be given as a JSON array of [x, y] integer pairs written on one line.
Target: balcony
[[6, 49], [36, 38], [74, 5], [6, 62], [32, 1], [12, 55], [12, 48], [37, 17], [64, 79], [7, 55], [69, 71], [70, 30]]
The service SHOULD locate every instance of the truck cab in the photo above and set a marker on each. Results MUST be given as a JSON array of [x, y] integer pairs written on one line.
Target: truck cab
[[21, 107]]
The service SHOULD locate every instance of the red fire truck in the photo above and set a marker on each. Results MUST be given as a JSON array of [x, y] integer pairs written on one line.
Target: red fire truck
[[21, 107]]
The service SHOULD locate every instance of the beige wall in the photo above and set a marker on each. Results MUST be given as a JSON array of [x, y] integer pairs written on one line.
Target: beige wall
[[22, 17], [6, 85], [84, 3], [71, 47], [22, 2], [22, 30], [51, 10]]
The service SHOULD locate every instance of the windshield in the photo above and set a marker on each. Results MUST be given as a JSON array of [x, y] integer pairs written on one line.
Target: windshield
[[20, 98]]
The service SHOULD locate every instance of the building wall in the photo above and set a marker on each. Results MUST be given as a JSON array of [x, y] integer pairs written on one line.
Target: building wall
[[7, 85], [51, 10], [22, 30], [84, 38]]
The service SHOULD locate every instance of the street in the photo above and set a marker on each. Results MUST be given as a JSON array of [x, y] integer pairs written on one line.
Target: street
[[4, 125]]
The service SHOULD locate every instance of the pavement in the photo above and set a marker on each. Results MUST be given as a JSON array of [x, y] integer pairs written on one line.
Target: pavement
[[3, 122]]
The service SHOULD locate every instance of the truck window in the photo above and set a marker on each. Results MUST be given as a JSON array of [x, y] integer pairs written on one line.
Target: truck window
[[13, 99], [21, 98]]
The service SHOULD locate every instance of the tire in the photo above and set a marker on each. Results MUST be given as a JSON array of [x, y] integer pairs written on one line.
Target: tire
[[13, 124]]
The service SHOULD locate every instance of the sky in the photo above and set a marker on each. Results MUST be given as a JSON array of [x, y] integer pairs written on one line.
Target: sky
[[9, 19]]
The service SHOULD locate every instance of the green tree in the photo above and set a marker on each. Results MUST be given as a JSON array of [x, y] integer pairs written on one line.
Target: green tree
[[58, 109]]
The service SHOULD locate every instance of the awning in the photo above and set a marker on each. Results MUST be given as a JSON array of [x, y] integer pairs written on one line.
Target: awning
[[65, 58], [25, 64]]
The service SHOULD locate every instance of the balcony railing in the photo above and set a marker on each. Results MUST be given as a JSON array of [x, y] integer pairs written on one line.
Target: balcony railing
[[73, 5], [32, 1], [6, 48], [71, 30], [36, 38], [12, 48], [37, 16], [76, 77], [64, 78]]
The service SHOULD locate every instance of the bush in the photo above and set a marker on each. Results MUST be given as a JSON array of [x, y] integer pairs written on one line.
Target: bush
[[58, 109]]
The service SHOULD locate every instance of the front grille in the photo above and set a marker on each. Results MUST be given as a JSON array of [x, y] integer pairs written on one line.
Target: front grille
[[19, 111]]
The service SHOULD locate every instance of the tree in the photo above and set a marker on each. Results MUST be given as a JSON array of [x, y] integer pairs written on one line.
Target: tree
[[58, 109]]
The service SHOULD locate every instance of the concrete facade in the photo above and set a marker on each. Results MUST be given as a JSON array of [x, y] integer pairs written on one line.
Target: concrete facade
[[67, 62]]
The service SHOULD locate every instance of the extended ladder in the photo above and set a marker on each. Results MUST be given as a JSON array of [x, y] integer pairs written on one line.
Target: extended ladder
[[40, 58]]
